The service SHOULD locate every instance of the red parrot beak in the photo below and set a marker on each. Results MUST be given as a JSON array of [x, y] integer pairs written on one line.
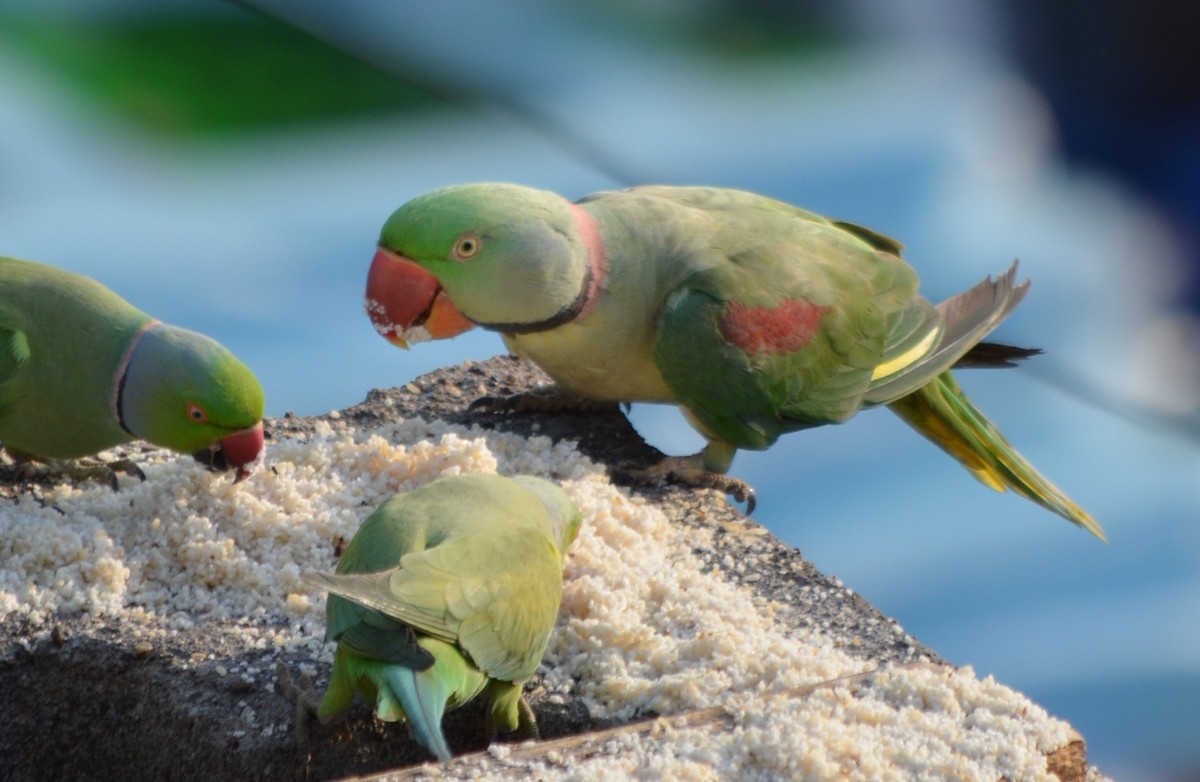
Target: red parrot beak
[[406, 303], [243, 449], [240, 450]]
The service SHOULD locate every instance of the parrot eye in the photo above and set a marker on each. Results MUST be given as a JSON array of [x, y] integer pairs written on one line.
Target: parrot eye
[[196, 413], [466, 247]]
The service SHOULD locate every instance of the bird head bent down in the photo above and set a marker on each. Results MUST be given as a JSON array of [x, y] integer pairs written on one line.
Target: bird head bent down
[[505, 257], [184, 391]]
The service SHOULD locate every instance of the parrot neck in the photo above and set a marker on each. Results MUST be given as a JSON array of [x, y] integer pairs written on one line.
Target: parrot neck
[[597, 260], [594, 273], [118, 393]]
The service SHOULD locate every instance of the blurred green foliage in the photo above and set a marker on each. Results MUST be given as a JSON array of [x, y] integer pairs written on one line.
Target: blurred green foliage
[[749, 31], [209, 75]]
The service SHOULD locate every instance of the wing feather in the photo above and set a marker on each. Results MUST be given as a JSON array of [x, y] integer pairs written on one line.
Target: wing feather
[[14, 355], [823, 301], [496, 596]]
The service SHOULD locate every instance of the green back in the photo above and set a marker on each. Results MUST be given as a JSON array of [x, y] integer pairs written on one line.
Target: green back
[[472, 560], [726, 254], [62, 338]]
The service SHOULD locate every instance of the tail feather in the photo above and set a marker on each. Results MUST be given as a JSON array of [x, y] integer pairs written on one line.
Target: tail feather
[[424, 701], [995, 355], [942, 413], [972, 315], [965, 320]]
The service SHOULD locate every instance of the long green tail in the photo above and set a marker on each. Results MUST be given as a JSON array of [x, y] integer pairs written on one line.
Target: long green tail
[[941, 412]]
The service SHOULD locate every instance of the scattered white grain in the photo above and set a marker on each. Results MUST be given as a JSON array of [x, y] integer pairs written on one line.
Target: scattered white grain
[[644, 629], [249, 716]]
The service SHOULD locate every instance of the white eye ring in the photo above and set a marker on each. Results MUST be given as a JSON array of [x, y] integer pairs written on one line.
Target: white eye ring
[[467, 247]]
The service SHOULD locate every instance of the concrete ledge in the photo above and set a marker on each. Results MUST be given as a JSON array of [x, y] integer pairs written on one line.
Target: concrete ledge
[[104, 694]]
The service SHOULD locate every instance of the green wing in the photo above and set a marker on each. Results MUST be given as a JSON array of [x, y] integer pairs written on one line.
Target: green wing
[[471, 560], [372, 635], [784, 329], [920, 353], [14, 355], [507, 605], [62, 338], [495, 596]]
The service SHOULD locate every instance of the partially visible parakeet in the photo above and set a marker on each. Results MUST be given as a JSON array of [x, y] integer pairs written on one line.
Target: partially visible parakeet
[[82, 370], [446, 593], [756, 317]]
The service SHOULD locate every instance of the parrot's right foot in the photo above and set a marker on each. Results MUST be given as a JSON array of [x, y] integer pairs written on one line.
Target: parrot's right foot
[[690, 471], [548, 399], [527, 727]]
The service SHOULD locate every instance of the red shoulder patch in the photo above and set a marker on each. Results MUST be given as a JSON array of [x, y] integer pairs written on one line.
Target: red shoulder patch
[[775, 330]]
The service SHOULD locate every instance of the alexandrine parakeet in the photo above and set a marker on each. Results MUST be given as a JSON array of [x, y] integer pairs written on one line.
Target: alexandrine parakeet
[[756, 317], [82, 370], [446, 593]]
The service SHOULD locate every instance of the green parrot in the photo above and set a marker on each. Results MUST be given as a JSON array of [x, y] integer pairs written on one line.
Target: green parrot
[[82, 370], [446, 593], [754, 316]]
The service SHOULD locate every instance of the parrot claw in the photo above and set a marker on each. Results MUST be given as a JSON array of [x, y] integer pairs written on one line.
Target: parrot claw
[[689, 471], [743, 492], [527, 727], [127, 466], [739, 490], [548, 399]]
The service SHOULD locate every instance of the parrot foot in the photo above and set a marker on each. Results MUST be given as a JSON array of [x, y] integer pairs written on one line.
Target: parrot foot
[[80, 471], [690, 471], [127, 466], [547, 399], [105, 472], [304, 697], [526, 729]]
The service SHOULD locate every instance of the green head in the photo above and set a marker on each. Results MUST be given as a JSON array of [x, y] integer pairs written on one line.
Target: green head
[[184, 391], [502, 256], [565, 517]]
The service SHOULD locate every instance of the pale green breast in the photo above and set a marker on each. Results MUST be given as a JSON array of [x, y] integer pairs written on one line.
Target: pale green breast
[[608, 356], [608, 353]]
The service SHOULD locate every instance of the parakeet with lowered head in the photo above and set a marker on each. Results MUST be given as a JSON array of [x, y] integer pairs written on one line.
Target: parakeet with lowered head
[[754, 316], [447, 593], [82, 370]]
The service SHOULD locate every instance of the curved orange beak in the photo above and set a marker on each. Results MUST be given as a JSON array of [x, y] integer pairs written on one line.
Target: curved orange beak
[[407, 304]]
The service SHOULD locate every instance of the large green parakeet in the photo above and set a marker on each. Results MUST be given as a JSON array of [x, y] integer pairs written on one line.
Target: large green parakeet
[[82, 370], [754, 316], [446, 593]]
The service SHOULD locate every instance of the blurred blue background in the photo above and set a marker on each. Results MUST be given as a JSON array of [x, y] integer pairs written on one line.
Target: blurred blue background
[[230, 174]]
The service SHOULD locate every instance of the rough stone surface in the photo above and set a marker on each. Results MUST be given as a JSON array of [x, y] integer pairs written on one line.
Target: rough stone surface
[[102, 698]]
